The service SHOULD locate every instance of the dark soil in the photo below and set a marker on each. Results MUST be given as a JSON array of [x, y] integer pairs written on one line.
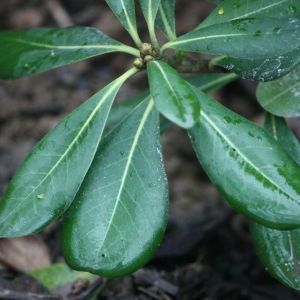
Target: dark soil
[[207, 251]]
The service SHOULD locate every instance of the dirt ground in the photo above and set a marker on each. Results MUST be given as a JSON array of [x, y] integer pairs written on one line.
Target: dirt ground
[[207, 251]]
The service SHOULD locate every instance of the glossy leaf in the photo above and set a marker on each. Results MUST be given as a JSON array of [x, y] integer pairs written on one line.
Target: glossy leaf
[[150, 9], [121, 109], [174, 97], [205, 82], [165, 19], [254, 174], [229, 10], [25, 52], [278, 128], [209, 83], [48, 180], [279, 250], [262, 69], [119, 215], [242, 38], [281, 97], [124, 10]]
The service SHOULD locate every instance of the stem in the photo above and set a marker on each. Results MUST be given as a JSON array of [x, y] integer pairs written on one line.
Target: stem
[[226, 78], [165, 46], [188, 65], [128, 49], [132, 30], [215, 61], [153, 38], [129, 73], [134, 35], [170, 34]]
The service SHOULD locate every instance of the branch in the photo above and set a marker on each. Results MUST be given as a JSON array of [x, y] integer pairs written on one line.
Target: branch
[[185, 64]]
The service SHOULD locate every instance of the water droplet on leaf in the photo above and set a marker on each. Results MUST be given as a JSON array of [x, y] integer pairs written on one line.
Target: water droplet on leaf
[[292, 9], [257, 33], [277, 30], [221, 11]]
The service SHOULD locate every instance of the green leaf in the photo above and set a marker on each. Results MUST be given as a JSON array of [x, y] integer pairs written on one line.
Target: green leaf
[[205, 82], [150, 9], [278, 128], [120, 110], [165, 19], [124, 10], [174, 97], [243, 38], [58, 275], [281, 97], [229, 10], [209, 83], [48, 180], [262, 69], [254, 174], [25, 52], [279, 250], [119, 215]]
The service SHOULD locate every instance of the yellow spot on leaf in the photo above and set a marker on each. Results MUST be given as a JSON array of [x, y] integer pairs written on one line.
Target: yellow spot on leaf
[[221, 11], [40, 196]]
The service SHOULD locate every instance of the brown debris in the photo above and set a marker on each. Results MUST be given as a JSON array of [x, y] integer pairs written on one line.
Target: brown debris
[[24, 253]]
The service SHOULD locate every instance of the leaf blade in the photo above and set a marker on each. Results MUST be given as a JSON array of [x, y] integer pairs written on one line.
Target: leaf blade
[[262, 69], [261, 180], [26, 52], [242, 38], [281, 97], [279, 249], [278, 128], [125, 227], [149, 9], [165, 19], [125, 12], [279, 252], [228, 10], [205, 82], [173, 96], [43, 187]]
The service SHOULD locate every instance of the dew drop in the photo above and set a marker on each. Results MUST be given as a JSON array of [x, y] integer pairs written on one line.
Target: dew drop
[[277, 30], [292, 9], [221, 11], [40, 196], [257, 33]]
